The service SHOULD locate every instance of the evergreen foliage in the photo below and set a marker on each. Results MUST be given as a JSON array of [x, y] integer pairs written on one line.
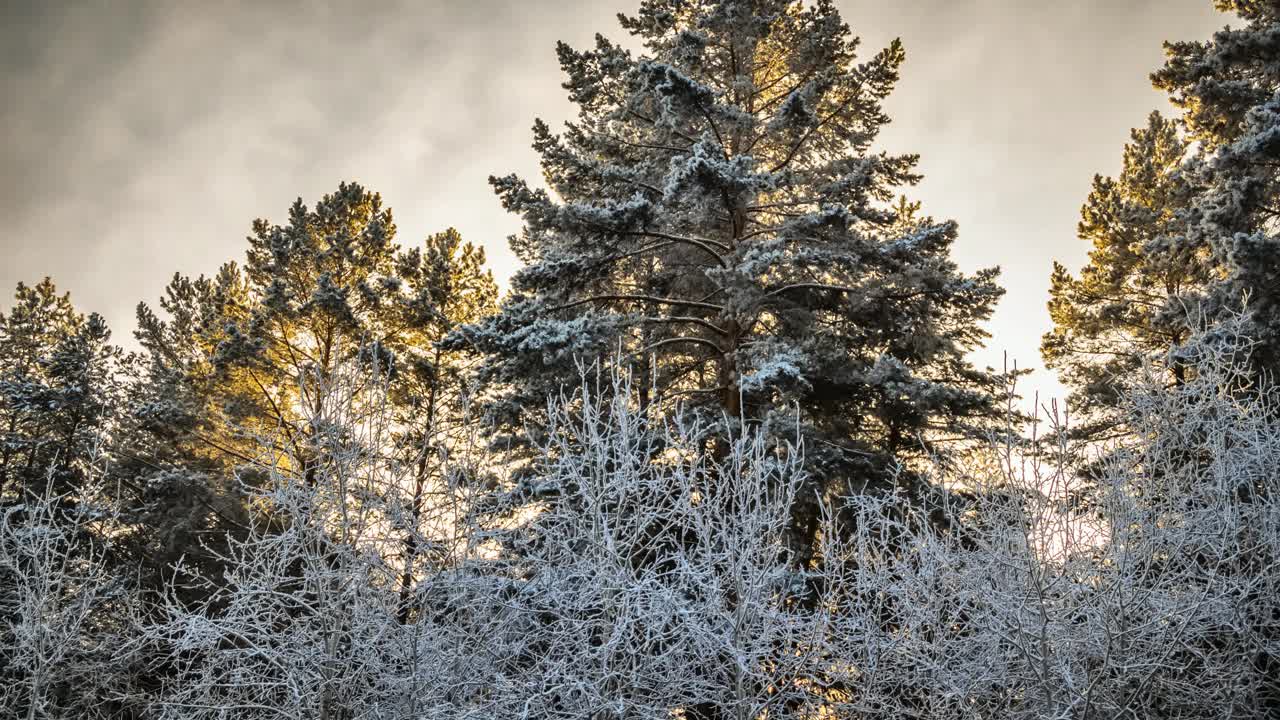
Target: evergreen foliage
[[1130, 304], [1229, 90], [733, 469], [717, 218], [234, 365], [59, 393], [1186, 235]]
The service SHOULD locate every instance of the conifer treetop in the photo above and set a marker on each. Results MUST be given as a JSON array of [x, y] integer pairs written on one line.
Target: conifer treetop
[[717, 216]]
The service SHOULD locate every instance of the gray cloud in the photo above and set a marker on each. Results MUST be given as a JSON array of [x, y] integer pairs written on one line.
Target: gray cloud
[[140, 138]]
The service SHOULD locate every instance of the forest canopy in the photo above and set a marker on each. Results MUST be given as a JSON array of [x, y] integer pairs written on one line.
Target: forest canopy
[[720, 451]]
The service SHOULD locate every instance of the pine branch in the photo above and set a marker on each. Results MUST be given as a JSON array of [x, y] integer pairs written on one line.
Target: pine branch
[[676, 302]]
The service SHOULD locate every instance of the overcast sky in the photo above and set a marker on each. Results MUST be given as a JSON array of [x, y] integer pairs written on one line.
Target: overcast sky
[[139, 138]]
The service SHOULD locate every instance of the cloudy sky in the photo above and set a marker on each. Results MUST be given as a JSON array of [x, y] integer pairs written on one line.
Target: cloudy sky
[[141, 137]]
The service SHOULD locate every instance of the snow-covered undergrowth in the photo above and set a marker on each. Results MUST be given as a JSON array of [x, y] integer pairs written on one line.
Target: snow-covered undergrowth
[[650, 571]]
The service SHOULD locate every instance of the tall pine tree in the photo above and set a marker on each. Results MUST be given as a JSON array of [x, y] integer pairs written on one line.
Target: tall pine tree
[[59, 380], [1229, 91], [1183, 244], [239, 368], [1134, 300], [716, 218]]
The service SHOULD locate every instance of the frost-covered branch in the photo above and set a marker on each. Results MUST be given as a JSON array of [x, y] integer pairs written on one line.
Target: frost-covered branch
[[59, 606], [310, 618]]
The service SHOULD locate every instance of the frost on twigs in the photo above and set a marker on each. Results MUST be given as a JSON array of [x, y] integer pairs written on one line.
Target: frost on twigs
[[324, 609], [650, 573], [656, 578], [59, 605]]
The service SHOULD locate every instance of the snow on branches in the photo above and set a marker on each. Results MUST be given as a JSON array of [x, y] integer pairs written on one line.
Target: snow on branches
[[649, 572]]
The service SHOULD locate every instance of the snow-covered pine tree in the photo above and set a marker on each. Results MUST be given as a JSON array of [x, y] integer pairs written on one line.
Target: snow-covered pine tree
[[37, 321], [59, 379], [62, 585], [175, 459], [1229, 90], [718, 218], [1134, 300]]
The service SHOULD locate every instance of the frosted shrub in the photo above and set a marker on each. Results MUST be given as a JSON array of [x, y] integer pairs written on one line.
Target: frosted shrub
[[60, 607], [650, 576], [311, 618], [1157, 597], [644, 568]]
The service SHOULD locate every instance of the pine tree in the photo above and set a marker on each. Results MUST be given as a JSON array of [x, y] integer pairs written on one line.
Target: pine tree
[[717, 219], [1133, 302], [177, 453], [38, 319], [1188, 246], [59, 375], [431, 394], [231, 388], [62, 584], [1229, 91]]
